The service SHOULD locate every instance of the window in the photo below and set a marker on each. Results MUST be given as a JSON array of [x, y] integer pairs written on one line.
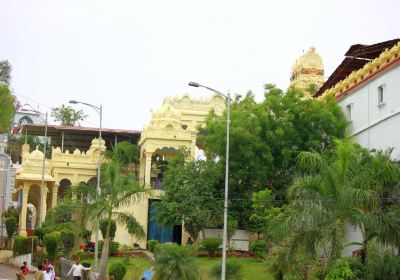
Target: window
[[381, 93], [349, 107]]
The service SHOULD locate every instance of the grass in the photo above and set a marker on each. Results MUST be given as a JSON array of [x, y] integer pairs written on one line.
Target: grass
[[252, 269]]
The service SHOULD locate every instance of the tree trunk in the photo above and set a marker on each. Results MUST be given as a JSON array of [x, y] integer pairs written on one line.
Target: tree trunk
[[104, 259]]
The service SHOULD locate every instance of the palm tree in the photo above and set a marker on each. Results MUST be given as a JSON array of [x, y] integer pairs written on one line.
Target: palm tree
[[119, 189], [174, 262], [332, 192]]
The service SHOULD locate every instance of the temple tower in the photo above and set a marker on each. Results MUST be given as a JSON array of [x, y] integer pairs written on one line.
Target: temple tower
[[308, 70]]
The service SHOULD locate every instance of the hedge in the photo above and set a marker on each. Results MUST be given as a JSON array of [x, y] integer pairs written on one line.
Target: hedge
[[23, 245]]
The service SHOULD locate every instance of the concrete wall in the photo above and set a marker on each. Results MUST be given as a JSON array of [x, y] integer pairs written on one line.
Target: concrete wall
[[376, 125]]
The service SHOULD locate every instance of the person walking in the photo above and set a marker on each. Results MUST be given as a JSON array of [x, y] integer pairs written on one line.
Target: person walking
[[39, 275], [77, 269]]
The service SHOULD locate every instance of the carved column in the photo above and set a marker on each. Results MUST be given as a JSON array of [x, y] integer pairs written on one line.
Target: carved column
[[142, 165], [54, 195], [22, 217], [147, 174]]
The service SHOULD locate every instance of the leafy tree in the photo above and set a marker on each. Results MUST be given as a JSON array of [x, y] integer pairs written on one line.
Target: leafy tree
[[68, 241], [11, 227], [340, 271], [5, 72], [210, 245], [266, 139], [331, 192], [67, 115], [174, 262], [7, 108], [119, 189], [52, 242], [190, 194]]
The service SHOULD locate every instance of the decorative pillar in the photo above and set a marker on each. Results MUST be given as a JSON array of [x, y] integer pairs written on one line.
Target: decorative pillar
[[54, 195], [147, 174], [22, 216], [44, 202], [142, 165]]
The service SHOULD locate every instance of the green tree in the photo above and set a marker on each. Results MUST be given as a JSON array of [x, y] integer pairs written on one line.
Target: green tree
[[67, 115], [7, 108], [52, 242], [5, 72], [174, 262], [331, 192], [190, 194], [103, 228], [68, 241], [266, 139], [119, 189]]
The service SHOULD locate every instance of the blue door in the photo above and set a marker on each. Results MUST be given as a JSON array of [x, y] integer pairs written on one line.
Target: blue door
[[155, 231]]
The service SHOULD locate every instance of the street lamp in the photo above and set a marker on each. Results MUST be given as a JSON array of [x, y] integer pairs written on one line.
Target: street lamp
[[43, 163], [99, 110], [225, 235]]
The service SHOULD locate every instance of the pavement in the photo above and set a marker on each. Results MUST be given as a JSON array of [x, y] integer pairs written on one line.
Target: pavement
[[8, 272]]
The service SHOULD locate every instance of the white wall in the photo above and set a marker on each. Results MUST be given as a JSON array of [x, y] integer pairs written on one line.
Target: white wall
[[372, 125]]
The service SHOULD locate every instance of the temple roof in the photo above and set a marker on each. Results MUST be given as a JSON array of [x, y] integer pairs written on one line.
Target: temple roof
[[356, 57]]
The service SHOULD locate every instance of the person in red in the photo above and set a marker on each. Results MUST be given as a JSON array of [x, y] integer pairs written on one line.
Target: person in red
[[25, 269]]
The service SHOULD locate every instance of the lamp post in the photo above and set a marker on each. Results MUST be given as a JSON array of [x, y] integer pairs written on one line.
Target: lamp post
[[225, 232], [99, 110], [43, 163]]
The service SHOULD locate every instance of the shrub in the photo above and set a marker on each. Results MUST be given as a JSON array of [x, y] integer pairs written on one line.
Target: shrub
[[40, 232], [118, 269], [233, 270], [11, 227], [381, 264], [24, 245], [114, 247], [340, 271], [68, 241], [210, 245], [151, 244], [175, 262], [260, 248], [85, 264], [51, 242]]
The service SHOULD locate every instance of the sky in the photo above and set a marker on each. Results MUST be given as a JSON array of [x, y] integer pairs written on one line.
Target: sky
[[129, 55]]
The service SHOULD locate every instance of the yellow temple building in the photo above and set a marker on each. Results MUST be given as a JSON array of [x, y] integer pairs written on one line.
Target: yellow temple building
[[172, 126], [308, 70]]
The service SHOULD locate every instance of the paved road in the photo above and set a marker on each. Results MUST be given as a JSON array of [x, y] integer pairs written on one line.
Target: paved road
[[7, 272]]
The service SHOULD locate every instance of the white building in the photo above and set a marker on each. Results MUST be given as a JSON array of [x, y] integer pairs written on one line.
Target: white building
[[367, 87], [370, 94]]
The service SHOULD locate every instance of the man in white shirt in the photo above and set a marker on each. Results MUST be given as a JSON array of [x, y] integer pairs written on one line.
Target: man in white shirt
[[76, 270], [48, 275]]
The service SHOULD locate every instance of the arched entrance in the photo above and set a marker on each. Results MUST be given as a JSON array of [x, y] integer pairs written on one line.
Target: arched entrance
[[64, 189]]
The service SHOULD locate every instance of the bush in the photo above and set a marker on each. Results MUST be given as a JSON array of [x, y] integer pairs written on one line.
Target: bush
[[260, 248], [51, 242], [114, 247], [210, 245], [24, 245], [118, 269], [340, 271], [233, 270], [381, 264], [151, 244], [11, 227], [40, 232], [68, 241], [175, 262]]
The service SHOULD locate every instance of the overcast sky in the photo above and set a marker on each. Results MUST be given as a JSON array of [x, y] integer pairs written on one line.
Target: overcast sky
[[129, 55]]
